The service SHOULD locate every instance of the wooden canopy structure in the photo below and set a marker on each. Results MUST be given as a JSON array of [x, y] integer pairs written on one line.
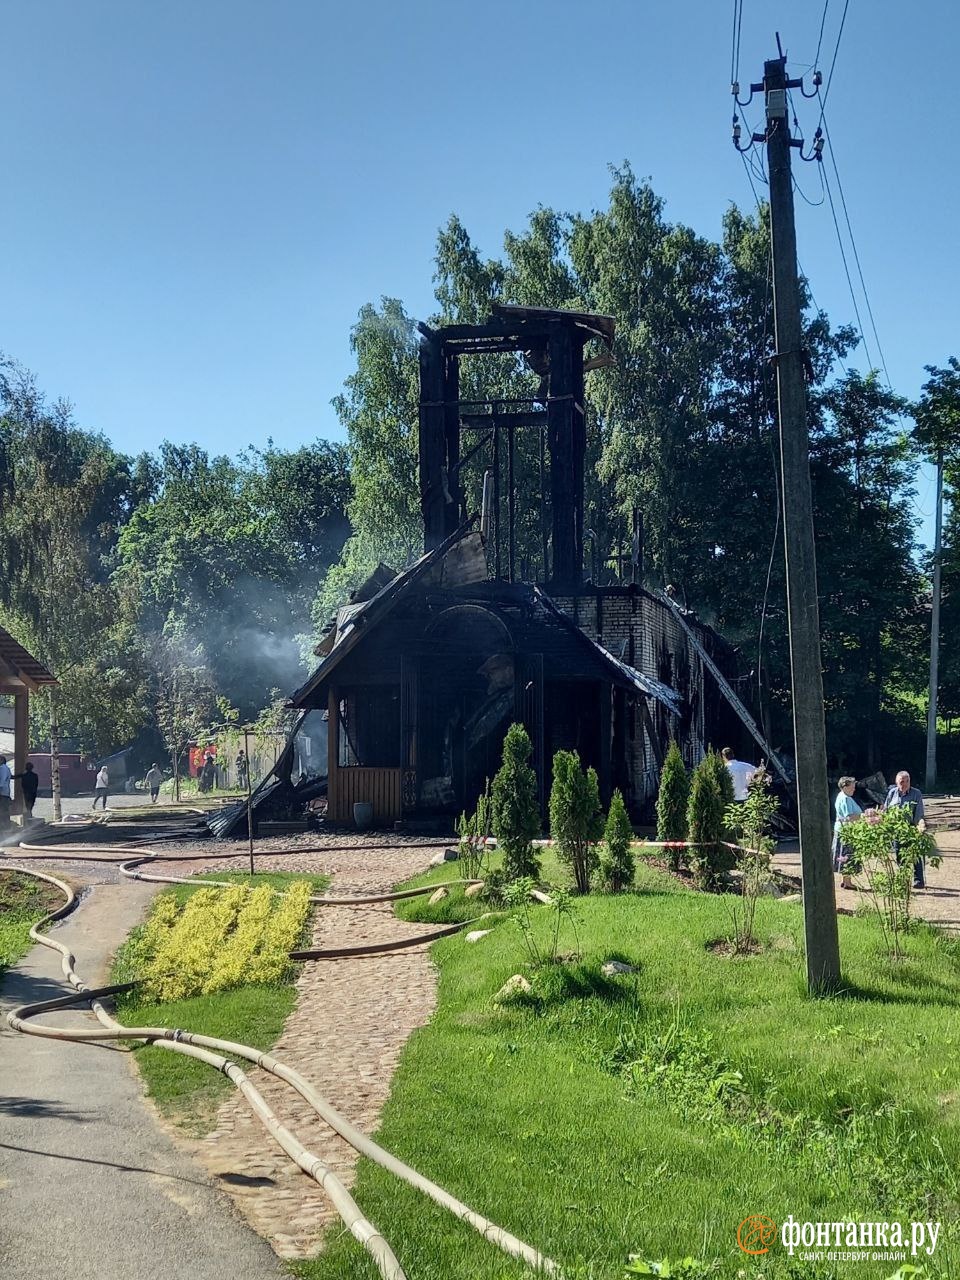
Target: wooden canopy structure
[[20, 675]]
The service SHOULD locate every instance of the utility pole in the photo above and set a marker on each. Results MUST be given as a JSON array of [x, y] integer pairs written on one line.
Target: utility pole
[[931, 773], [813, 802]]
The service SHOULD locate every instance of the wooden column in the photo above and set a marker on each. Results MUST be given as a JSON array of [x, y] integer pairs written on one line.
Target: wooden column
[[606, 742], [21, 741], [433, 446], [451, 437], [563, 441], [333, 748]]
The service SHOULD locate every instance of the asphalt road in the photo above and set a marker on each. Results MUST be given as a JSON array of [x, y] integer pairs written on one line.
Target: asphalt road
[[91, 1188]]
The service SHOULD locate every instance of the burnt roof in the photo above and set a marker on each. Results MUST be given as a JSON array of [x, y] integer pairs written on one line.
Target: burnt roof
[[460, 579]]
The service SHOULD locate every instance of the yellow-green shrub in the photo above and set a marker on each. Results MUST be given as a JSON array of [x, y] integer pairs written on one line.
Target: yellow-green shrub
[[281, 935], [218, 939], [231, 964]]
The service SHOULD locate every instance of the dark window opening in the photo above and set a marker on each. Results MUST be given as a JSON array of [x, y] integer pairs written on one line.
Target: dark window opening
[[370, 727]]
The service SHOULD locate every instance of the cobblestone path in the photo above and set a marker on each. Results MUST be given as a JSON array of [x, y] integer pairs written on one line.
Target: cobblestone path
[[351, 1020]]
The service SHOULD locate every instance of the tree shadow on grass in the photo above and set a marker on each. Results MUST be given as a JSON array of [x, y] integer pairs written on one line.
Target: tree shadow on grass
[[945, 994], [555, 984]]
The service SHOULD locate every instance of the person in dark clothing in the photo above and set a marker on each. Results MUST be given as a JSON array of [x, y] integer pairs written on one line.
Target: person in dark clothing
[[207, 774], [29, 785], [241, 767]]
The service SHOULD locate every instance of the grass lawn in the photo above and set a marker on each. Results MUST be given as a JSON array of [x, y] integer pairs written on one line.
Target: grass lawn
[[23, 901], [652, 1113], [185, 1090]]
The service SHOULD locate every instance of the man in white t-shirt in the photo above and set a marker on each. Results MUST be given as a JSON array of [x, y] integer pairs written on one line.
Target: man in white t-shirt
[[739, 771]]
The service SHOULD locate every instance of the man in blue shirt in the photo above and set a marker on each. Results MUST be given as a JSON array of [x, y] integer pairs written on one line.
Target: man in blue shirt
[[903, 795]]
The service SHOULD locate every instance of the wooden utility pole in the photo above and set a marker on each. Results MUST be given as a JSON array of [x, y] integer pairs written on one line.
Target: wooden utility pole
[[931, 771], [813, 801]]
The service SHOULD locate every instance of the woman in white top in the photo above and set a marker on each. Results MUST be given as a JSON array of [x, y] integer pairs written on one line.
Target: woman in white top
[[100, 787]]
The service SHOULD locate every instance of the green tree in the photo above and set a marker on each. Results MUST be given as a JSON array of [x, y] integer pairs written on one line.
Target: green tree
[[617, 864], [219, 558], [64, 494], [379, 409], [672, 801], [576, 818], [515, 813], [184, 698], [706, 823]]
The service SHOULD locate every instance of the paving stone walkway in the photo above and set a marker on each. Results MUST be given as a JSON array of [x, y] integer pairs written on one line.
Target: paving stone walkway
[[351, 1021]]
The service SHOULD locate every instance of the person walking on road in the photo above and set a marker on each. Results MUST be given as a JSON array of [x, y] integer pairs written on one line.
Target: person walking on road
[[29, 785], [154, 781], [100, 787], [904, 796], [846, 810]]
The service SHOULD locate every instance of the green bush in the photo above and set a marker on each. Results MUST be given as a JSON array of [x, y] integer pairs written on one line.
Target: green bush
[[617, 864], [724, 778], [672, 802], [706, 823], [576, 818], [516, 814]]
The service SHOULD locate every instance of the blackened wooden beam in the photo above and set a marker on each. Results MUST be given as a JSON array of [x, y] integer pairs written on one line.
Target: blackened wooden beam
[[563, 386], [433, 486], [453, 512]]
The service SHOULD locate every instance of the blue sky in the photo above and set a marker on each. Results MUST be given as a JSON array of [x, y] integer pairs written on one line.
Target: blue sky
[[198, 198]]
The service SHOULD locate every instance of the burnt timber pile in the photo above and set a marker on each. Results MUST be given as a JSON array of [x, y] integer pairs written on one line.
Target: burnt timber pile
[[423, 672]]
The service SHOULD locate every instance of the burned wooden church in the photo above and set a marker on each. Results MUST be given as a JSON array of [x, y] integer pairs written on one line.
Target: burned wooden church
[[423, 672]]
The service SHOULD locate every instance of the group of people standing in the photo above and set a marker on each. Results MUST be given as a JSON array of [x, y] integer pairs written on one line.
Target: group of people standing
[[29, 784], [902, 795]]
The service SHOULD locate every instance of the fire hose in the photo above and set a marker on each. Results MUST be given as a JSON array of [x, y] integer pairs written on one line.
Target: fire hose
[[213, 1051]]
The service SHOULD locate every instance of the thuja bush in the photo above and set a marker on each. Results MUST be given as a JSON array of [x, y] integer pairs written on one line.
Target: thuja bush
[[617, 865], [724, 778], [473, 833], [576, 818], [706, 825], [515, 812], [751, 821], [672, 802]]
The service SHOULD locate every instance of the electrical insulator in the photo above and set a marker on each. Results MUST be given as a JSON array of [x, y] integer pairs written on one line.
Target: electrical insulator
[[736, 131], [817, 79], [735, 88], [818, 146]]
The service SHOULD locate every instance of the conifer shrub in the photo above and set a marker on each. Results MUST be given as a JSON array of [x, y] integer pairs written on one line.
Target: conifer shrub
[[672, 803], [706, 824], [515, 812], [617, 865], [576, 818]]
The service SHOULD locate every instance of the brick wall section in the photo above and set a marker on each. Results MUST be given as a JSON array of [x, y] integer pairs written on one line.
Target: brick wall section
[[643, 632]]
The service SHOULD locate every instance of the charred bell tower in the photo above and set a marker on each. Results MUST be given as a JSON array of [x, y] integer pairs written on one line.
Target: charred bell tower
[[552, 343]]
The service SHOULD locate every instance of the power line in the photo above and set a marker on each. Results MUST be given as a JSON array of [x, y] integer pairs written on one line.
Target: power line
[[823, 23], [836, 50], [846, 269], [856, 255], [735, 45]]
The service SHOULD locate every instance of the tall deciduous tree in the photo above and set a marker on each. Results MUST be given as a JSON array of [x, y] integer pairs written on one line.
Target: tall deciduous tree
[[379, 409], [64, 495]]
